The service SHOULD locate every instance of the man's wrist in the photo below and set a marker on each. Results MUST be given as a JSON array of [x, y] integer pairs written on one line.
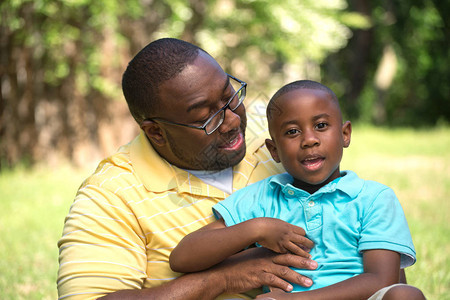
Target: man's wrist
[[214, 283]]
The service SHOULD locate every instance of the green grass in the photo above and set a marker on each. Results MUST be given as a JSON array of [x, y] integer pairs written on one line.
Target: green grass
[[32, 210], [416, 164]]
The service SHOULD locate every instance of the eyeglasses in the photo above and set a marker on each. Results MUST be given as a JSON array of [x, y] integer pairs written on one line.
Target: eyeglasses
[[217, 119]]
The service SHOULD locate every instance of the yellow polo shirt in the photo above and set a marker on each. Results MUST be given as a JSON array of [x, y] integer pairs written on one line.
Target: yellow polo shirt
[[129, 215]]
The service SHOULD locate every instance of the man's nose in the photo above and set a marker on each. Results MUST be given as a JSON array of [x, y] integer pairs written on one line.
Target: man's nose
[[231, 121]]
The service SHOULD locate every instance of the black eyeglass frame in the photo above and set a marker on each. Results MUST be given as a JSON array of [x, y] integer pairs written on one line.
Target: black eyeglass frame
[[243, 87]]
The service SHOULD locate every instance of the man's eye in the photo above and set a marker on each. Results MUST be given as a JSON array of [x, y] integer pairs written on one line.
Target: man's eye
[[321, 125], [202, 121]]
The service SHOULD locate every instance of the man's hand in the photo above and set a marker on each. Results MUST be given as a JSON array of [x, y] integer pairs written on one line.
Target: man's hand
[[283, 237], [256, 267]]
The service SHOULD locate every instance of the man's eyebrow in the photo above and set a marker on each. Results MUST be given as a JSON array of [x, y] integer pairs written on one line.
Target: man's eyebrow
[[204, 102]]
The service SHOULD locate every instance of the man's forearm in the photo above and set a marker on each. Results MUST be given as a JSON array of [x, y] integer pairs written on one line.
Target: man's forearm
[[242, 272], [203, 285]]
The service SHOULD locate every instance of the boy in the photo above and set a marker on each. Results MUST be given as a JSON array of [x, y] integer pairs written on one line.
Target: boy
[[359, 229]]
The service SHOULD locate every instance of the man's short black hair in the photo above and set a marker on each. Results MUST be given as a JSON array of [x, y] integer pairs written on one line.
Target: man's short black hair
[[158, 62], [296, 85]]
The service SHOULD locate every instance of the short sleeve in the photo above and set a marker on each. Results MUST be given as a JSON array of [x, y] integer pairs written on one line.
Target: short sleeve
[[102, 249], [244, 204], [384, 226]]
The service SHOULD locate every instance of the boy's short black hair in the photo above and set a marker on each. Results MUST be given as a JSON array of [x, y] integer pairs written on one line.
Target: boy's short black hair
[[158, 62], [296, 85]]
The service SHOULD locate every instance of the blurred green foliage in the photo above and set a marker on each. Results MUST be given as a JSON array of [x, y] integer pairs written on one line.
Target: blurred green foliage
[[62, 60], [414, 37]]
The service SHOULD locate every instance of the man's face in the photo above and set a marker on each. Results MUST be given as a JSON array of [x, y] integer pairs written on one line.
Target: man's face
[[308, 137], [191, 97]]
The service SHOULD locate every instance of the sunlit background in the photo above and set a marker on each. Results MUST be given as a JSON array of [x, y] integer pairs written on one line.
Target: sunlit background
[[62, 108]]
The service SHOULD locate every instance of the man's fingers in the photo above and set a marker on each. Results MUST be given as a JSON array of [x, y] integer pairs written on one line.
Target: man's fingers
[[290, 275], [275, 280], [292, 260]]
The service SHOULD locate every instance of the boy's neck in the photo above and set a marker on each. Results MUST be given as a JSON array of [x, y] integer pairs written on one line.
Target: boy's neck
[[312, 188]]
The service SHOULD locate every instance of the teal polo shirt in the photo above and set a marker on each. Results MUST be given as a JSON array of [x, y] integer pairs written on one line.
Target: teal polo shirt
[[343, 218]]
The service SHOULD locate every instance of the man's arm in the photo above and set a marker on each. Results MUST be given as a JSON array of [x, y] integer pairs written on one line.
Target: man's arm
[[215, 242], [241, 272], [381, 269]]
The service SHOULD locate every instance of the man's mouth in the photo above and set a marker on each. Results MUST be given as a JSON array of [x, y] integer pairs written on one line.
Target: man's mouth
[[233, 144], [313, 163]]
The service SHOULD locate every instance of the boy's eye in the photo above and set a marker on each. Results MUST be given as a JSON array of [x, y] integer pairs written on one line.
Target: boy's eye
[[292, 131], [321, 125]]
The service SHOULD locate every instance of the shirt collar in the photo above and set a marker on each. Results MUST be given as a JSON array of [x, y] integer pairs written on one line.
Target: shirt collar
[[348, 183], [147, 162]]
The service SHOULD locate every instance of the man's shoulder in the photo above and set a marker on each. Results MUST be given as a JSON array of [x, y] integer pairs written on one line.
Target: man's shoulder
[[112, 168]]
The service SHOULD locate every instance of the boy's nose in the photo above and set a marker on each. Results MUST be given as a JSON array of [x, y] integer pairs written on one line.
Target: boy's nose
[[310, 139]]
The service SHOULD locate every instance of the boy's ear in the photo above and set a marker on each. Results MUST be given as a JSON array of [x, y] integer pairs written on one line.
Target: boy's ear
[[273, 150], [347, 133], [153, 132]]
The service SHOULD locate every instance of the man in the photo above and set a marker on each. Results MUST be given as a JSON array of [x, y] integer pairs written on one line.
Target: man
[[140, 202]]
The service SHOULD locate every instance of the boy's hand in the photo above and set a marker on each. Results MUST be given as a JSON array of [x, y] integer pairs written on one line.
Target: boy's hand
[[283, 237]]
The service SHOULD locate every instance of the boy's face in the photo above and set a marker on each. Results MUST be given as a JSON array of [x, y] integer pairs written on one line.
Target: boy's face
[[308, 137]]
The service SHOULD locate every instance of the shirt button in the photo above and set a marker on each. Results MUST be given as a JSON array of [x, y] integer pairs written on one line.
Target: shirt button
[[311, 203], [291, 192]]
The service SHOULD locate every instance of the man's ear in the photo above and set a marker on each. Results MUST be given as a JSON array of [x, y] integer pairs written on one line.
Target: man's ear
[[347, 133], [272, 149], [153, 132]]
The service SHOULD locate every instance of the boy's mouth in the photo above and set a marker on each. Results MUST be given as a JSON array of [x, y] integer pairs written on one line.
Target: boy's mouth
[[313, 163]]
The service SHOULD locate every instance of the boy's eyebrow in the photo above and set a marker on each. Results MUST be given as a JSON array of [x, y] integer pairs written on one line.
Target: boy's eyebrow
[[289, 122], [314, 118], [324, 115], [204, 102]]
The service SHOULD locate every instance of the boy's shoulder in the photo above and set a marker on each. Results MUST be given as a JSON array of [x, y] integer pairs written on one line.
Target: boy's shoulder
[[351, 178], [266, 184], [282, 179]]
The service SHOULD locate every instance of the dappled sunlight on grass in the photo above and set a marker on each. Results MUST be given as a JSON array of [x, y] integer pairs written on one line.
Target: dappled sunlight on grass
[[416, 164], [32, 210]]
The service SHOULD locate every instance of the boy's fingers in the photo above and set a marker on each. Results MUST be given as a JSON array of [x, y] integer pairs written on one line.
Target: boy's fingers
[[296, 249], [299, 230], [303, 241]]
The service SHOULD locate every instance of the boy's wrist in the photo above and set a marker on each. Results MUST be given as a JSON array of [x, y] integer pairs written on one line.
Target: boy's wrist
[[256, 230]]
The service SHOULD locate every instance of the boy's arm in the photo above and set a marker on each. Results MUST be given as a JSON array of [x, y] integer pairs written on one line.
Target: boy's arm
[[381, 269], [215, 242]]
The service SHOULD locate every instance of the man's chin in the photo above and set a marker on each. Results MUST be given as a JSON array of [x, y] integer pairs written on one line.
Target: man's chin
[[227, 159]]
